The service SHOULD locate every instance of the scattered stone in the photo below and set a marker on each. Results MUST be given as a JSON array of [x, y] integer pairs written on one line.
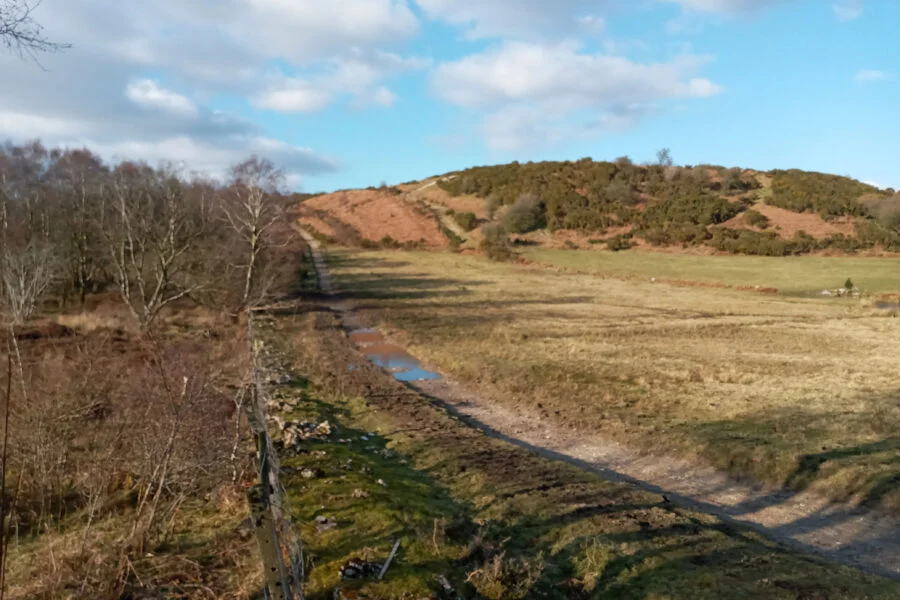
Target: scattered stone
[[387, 453], [312, 473], [357, 568], [381, 483], [324, 524], [360, 494], [294, 433]]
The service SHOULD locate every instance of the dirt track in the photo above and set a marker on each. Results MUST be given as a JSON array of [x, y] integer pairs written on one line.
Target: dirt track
[[843, 533]]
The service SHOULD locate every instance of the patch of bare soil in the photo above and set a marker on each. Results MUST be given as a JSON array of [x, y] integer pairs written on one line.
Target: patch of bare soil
[[374, 214], [787, 223]]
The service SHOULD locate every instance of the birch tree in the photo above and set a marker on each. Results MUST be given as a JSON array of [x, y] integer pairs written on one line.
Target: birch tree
[[252, 212]]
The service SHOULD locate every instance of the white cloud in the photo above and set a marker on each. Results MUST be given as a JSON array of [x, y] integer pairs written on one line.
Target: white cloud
[[848, 10], [872, 76], [560, 76], [356, 76], [98, 92], [20, 125], [724, 6], [518, 18], [382, 97], [146, 93], [550, 92], [213, 159], [293, 95]]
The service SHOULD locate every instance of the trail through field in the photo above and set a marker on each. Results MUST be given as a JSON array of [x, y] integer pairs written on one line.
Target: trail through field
[[844, 533], [439, 211]]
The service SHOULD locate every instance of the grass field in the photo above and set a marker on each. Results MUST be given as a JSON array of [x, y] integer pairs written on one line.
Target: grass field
[[493, 520], [796, 275], [784, 389]]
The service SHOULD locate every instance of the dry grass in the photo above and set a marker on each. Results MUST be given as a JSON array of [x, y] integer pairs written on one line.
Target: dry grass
[[794, 391], [376, 214], [787, 223]]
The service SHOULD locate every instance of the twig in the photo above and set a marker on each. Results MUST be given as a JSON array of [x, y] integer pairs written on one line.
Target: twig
[[387, 563]]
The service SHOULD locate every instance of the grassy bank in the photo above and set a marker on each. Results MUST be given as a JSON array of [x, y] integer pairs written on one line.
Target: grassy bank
[[491, 519], [797, 275], [786, 390]]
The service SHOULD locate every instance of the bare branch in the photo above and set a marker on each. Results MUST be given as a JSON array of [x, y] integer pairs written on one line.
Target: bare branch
[[20, 33]]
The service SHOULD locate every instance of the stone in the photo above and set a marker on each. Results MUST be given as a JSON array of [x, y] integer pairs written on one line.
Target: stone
[[357, 568], [324, 524], [312, 473]]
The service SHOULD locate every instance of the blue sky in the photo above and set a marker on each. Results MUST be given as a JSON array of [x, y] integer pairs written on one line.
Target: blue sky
[[349, 93]]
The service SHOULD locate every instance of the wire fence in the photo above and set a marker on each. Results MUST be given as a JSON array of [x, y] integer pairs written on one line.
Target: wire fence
[[280, 546]]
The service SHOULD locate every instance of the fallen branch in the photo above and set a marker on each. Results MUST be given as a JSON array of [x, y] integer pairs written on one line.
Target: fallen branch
[[387, 563]]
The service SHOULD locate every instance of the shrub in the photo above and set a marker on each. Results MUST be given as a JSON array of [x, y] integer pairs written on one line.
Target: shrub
[[848, 284], [527, 214], [467, 220], [496, 243], [455, 240], [504, 578], [618, 243], [756, 219], [829, 195]]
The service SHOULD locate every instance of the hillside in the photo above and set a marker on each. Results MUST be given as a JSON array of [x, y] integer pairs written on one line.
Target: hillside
[[368, 217], [731, 210], [619, 205]]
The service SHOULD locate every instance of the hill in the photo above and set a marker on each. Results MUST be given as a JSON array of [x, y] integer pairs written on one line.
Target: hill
[[732, 210], [618, 204]]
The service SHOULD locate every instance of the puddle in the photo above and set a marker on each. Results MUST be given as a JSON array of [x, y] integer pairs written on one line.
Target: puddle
[[888, 305], [390, 357]]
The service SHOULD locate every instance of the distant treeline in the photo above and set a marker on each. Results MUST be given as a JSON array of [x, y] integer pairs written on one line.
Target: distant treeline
[[71, 225]]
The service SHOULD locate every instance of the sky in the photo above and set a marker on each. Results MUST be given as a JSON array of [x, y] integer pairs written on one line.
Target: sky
[[352, 93]]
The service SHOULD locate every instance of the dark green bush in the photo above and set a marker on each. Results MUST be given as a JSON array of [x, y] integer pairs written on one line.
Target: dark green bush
[[756, 219], [467, 220], [618, 243], [829, 195]]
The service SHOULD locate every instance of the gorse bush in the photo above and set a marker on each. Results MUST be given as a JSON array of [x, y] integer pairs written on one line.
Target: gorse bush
[[830, 196], [756, 219], [467, 220], [618, 243]]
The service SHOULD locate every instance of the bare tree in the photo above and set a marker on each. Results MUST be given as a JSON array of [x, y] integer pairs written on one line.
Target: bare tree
[[151, 240], [26, 274], [19, 31], [252, 212], [664, 157], [77, 179]]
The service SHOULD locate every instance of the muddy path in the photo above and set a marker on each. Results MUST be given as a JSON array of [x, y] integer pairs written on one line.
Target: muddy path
[[844, 533]]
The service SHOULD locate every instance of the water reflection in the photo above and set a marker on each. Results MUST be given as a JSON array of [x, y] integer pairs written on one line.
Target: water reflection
[[391, 357]]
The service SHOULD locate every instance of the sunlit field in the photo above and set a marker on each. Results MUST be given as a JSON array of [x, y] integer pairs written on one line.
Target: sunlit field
[[785, 389]]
